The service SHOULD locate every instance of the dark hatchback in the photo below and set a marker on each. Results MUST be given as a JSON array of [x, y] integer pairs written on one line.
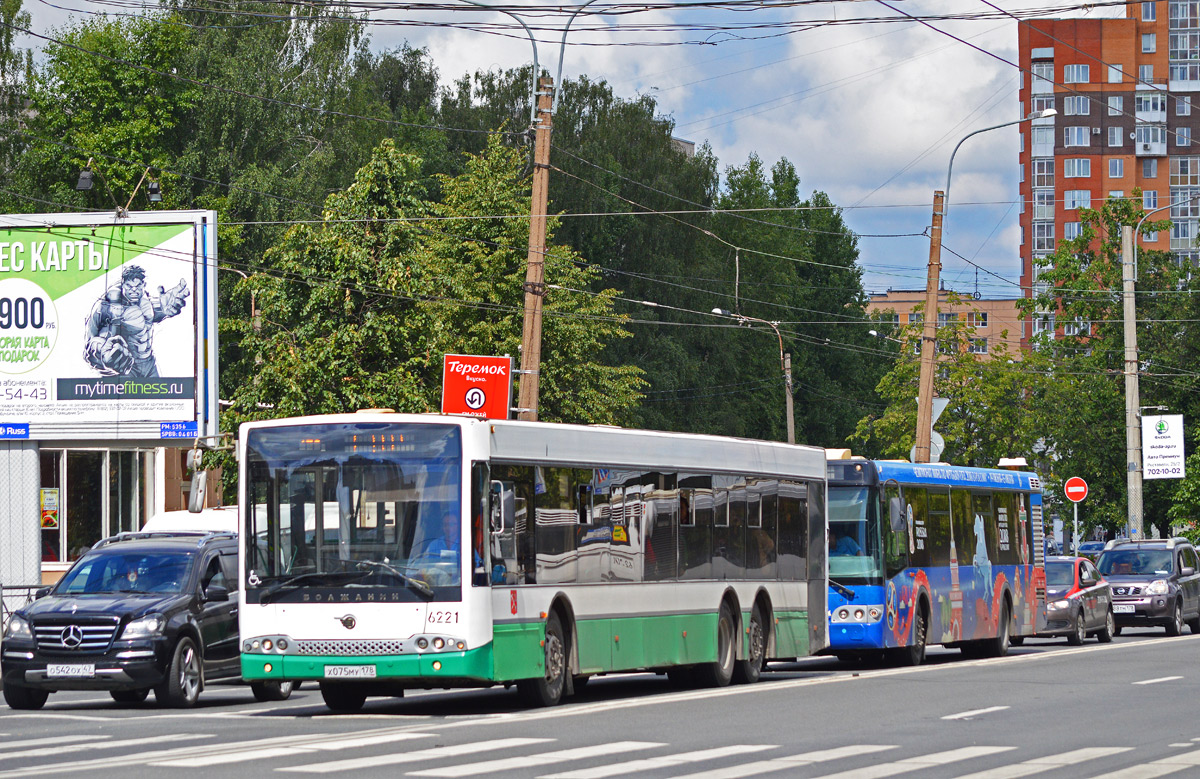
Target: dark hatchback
[[138, 612], [1078, 601], [1154, 582]]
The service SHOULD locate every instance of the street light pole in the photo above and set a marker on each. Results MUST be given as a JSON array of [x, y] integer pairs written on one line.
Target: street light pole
[[941, 206], [785, 364]]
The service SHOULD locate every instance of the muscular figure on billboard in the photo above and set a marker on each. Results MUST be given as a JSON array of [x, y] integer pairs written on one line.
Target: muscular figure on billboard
[[119, 329]]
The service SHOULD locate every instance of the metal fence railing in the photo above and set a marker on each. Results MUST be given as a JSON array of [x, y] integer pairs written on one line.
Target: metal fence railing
[[13, 598]]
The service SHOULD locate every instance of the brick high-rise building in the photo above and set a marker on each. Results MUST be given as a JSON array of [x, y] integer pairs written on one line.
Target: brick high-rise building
[[1124, 90]]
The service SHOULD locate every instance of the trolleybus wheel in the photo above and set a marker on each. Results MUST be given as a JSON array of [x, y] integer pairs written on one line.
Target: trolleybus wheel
[[914, 653], [343, 696], [749, 671], [548, 690], [720, 672], [998, 646], [272, 690]]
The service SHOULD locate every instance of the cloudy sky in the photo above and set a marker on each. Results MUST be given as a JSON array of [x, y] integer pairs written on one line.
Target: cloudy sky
[[868, 109]]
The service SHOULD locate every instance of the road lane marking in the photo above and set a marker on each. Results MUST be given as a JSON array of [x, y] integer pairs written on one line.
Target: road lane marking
[[36, 742], [544, 758], [974, 712], [141, 758], [1167, 765], [666, 761], [63, 749], [1159, 679], [288, 750], [433, 753], [1049, 763], [920, 763], [789, 763]]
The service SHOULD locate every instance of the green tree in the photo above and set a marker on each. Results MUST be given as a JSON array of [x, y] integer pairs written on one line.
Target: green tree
[[1082, 413], [358, 310], [991, 399]]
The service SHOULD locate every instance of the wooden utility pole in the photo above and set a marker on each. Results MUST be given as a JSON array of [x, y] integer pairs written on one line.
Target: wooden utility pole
[[535, 285], [787, 383], [929, 334]]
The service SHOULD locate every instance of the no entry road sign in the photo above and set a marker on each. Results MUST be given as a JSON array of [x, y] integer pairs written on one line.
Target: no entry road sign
[[1076, 489]]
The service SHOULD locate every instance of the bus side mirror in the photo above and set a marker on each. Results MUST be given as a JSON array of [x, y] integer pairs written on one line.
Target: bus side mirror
[[504, 506], [896, 516]]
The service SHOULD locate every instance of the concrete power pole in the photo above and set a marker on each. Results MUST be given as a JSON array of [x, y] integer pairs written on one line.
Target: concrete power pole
[[1133, 424], [787, 382], [929, 334], [535, 285]]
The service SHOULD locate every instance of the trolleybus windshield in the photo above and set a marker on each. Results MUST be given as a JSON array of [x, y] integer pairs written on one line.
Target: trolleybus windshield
[[354, 512], [853, 535]]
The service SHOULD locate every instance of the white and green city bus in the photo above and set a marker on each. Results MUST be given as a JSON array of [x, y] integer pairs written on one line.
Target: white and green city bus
[[385, 551]]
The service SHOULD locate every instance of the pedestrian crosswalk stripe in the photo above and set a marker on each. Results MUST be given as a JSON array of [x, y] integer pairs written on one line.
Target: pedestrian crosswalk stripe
[[666, 761], [919, 763], [288, 750], [1167, 765], [38, 742], [787, 763], [62, 749], [414, 757], [1049, 763], [543, 758]]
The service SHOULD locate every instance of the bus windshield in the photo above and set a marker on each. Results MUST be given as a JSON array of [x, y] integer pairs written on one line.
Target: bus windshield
[[353, 506], [854, 552]]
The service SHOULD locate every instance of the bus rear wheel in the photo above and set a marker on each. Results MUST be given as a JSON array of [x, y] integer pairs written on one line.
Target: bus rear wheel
[[749, 671], [720, 672], [548, 690]]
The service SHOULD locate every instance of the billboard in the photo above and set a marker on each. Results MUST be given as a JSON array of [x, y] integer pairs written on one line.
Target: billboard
[[108, 326]]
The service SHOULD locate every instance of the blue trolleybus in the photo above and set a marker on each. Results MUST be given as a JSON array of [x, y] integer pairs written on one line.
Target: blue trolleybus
[[932, 554]]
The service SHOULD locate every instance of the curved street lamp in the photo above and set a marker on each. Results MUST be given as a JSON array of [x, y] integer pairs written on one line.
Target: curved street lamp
[[941, 205], [785, 364]]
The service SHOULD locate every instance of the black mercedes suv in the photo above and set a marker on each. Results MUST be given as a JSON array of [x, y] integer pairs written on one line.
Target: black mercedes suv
[[1154, 582], [138, 612]]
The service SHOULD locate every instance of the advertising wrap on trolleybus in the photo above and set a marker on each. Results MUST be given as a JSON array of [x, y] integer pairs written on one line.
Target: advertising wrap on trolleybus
[[933, 553]]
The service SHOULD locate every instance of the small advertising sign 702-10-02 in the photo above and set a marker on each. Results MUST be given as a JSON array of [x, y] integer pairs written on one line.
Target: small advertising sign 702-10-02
[[1162, 447], [475, 385]]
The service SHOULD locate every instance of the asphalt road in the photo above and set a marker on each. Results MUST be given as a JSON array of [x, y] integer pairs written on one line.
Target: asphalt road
[[1127, 709]]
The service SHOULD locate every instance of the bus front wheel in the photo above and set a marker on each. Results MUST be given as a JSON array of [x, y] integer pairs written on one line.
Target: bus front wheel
[[343, 696], [548, 690]]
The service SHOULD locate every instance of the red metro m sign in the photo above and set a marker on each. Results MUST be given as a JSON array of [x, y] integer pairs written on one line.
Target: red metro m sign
[[478, 386]]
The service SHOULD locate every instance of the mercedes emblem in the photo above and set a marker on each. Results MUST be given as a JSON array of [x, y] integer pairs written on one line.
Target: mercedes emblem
[[72, 636]]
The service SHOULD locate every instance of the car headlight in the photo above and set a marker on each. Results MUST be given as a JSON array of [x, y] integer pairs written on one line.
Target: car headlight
[[1059, 605], [146, 627], [1158, 587], [18, 627]]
